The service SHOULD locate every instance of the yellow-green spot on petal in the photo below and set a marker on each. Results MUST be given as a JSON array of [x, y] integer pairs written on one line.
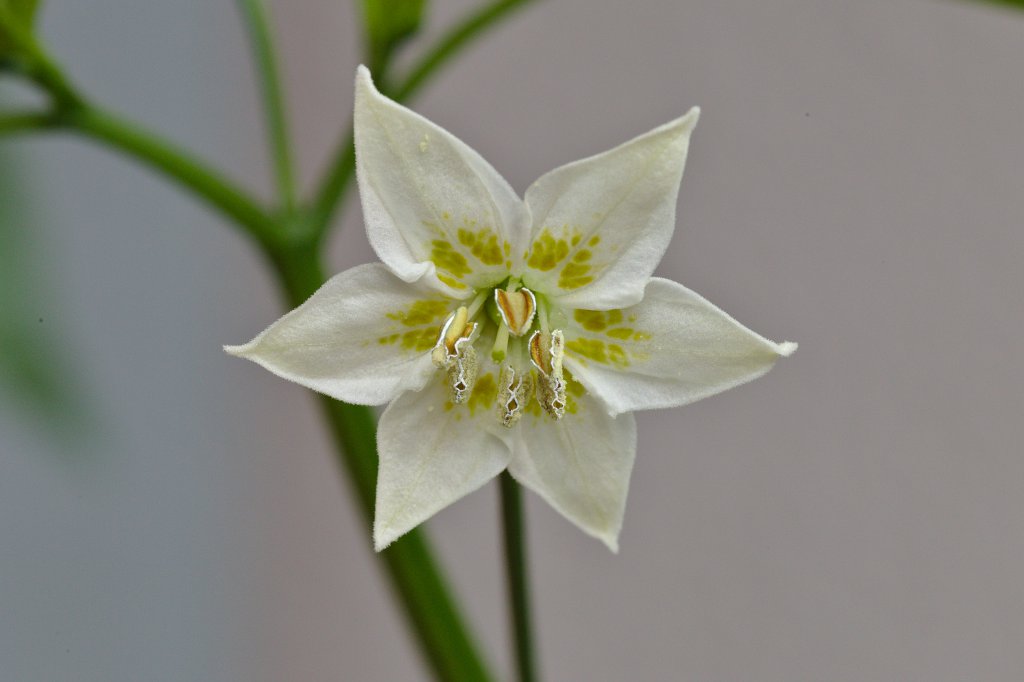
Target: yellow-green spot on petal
[[592, 320], [598, 320], [532, 407], [421, 312], [598, 351], [483, 244], [641, 336], [446, 258], [594, 241], [623, 333], [573, 391], [590, 349], [388, 340], [617, 355], [485, 392], [419, 339], [547, 252], [576, 273], [450, 281]]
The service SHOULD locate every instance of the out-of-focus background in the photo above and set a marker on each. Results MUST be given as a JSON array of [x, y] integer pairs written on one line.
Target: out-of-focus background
[[858, 514]]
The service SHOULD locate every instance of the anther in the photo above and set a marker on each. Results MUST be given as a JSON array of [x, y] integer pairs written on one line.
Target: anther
[[515, 389], [455, 354], [546, 354]]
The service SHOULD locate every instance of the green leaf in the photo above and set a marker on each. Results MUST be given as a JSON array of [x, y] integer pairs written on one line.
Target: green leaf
[[388, 23]]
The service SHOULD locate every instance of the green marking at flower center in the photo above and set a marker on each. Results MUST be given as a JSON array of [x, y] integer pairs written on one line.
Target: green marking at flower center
[[485, 392], [446, 258], [421, 312], [483, 244], [598, 351]]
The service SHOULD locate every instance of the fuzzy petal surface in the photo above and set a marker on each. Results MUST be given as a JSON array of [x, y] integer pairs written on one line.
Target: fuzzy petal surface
[[671, 349], [580, 464], [602, 224], [364, 337], [431, 203], [432, 453]]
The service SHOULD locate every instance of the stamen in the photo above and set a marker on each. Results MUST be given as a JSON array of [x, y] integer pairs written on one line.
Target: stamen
[[515, 389], [455, 328], [454, 353], [462, 372], [477, 303], [546, 354]]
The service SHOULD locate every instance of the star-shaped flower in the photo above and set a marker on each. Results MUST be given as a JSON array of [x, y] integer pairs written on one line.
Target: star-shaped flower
[[509, 333]]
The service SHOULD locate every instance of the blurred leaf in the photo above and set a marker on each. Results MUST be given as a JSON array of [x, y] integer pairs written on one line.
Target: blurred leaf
[[1016, 4], [387, 23], [35, 369]]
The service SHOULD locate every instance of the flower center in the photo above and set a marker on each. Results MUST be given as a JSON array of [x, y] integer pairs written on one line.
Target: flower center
[[527, 369]]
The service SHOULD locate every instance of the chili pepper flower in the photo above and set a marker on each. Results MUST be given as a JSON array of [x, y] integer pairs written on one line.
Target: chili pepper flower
[[509, 333]]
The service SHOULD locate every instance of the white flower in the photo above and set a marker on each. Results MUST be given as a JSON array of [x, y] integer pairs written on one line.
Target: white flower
[[507, 333]]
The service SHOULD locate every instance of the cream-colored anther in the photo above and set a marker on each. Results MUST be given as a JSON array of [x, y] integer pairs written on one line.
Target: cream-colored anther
[[516, 308], [546, 354], [454, 353], [515, 389]]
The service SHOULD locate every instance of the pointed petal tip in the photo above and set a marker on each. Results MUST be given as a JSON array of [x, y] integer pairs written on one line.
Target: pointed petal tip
[[239, 351], [364, 82], [382, 539], [363, 74], [787, 348], [687, 121], [612, 543]]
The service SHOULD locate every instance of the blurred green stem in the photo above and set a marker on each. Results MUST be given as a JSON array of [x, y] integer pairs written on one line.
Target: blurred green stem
[[295, 257], [159, 155], [441, 633], [257, 20], [333, 189], [514, 533]]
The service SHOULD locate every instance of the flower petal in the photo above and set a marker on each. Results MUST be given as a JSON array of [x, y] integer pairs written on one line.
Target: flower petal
[[672, 349], [601, 225], [429, 201], [580, 464], [432, 453], [364, 337]]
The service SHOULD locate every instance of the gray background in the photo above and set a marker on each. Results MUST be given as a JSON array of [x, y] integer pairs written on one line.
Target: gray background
[[858, 514]]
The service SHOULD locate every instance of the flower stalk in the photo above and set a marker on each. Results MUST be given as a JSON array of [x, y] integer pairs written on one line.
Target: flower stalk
[[514, 533]]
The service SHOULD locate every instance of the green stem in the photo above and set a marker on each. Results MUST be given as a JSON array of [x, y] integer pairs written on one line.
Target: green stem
[[257, 19], [515, 563], [451, 43], [439, 628], [36, 64], [154, 152], [340, 171]]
